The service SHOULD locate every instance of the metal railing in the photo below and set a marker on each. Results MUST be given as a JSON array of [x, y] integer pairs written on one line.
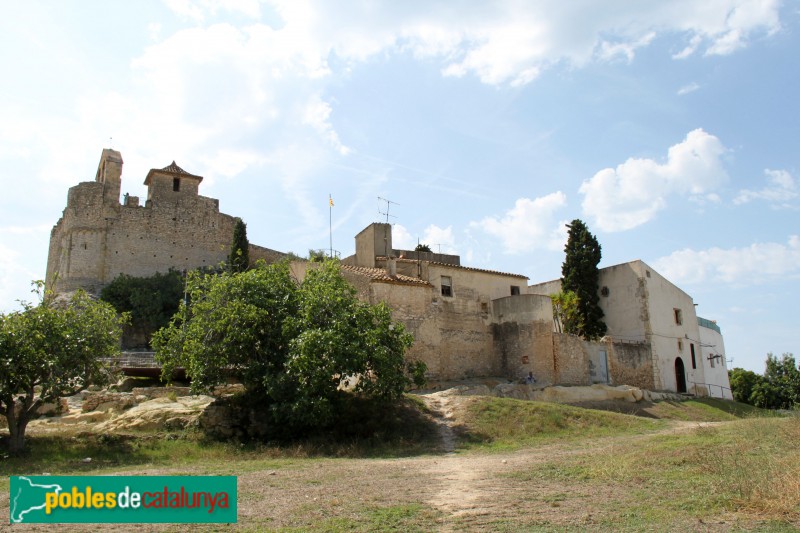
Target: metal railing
[[133, 360], [710, 389]]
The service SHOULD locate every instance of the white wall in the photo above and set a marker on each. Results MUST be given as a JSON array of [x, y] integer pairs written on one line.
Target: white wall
[[716, 376]]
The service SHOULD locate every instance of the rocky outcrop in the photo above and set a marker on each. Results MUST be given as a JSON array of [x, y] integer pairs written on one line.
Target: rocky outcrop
[[561, 394], [159, 414]]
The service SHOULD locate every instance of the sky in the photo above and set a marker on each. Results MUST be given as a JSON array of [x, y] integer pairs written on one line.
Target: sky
[[671, 128]]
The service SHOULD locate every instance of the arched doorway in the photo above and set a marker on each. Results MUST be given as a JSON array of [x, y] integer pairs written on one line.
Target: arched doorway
[[680, 375]]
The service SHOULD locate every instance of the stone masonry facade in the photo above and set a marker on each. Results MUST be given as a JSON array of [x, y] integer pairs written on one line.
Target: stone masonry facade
[[98, 238]]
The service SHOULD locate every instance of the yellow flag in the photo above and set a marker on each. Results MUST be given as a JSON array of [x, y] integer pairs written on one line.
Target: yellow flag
[[330, 201]]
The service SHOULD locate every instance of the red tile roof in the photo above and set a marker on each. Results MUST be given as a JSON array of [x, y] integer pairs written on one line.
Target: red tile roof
[[380, 275], [437, 263]]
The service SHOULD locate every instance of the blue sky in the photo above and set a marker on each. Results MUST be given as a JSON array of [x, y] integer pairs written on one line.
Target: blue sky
[[671, 128]]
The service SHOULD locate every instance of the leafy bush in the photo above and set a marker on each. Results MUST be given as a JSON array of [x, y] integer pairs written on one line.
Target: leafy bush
[[294, 345], [151, 301]]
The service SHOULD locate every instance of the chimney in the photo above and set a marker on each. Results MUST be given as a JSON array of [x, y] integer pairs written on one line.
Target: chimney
[[391, 267]]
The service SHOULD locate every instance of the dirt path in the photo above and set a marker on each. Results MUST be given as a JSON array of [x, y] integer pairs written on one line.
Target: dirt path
[[472, 489], [451, 491]]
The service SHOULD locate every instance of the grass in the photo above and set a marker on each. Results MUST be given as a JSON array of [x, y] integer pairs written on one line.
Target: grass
[[504, 423], [749, 466], [617, 472], [705, 410], [380, 432], [406, 517]]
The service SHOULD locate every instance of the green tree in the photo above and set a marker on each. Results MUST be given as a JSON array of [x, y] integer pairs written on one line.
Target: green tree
[[49, 351], [579, 274], [422, 248], [783, 376], [239, 258], [317, 256], [293, 345], [743, 382], [566, 311], [151, 301]]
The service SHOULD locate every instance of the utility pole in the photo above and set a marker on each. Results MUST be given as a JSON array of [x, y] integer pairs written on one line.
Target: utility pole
[[330, 222]]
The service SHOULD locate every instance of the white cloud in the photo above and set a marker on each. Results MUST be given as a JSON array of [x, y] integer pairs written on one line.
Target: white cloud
[[781, 191], [756, 263], [440, 240], [633, 193], [513, 43], [317, 114], [200, 10], [402, 238], [608, 50], [529, 225], [689, 88]]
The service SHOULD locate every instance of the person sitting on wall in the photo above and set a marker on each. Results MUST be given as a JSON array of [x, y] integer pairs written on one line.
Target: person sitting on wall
[[530, 380]]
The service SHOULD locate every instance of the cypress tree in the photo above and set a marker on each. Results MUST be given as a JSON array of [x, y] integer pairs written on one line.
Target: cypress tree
[[581, 276], [239, 259]]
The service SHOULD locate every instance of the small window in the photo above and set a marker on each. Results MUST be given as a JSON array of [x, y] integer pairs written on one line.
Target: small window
[[514, 290], [447, 286], [711, 360], [176, 184], [604, 291], [680, 345], [694, 361], [678, 316], [647, 273]]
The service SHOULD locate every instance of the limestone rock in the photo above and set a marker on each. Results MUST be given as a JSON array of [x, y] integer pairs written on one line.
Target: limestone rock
[[159, 413], [108, 401]]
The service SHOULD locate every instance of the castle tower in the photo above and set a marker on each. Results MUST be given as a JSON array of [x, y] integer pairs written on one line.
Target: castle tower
[[109, 173], [170, 184]]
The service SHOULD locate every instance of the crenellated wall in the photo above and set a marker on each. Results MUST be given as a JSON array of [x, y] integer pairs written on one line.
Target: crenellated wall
[[97, 238]]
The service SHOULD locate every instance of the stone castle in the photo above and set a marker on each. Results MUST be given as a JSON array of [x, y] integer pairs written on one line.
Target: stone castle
[[466, 322], [98, 238]]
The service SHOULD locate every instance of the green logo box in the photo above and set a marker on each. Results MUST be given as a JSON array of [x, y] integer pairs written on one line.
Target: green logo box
[[122, 499]]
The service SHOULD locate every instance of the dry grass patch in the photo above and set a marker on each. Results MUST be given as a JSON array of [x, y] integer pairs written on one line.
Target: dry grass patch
[[749, 469], [505, 423]]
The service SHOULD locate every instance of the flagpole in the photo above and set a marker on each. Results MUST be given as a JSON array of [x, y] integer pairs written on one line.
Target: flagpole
[[330, 221]]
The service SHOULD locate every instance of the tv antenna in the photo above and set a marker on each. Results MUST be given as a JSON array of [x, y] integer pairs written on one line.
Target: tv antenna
[[388, 205]]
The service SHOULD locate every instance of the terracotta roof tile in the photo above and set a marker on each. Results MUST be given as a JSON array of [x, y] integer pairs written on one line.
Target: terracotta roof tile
[[437, 263], [380, 275], [175, 169]]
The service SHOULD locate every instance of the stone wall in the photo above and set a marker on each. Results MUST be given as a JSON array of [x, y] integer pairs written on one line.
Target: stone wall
[[570, 359], [523, 337], [631, 364], [452, 336]]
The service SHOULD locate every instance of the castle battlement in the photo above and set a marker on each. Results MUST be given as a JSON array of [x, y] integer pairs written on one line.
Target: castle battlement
[[97, 237]]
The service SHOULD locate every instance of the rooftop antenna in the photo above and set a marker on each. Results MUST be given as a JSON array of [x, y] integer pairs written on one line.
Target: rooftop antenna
[[388, 205]]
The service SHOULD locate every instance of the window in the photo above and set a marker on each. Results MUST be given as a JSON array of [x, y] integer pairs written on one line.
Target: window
[[447, 286], [691, 349], [176, 184], [680, 345], [514, 290], [678, 316], [711, 360], [604, 291]]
